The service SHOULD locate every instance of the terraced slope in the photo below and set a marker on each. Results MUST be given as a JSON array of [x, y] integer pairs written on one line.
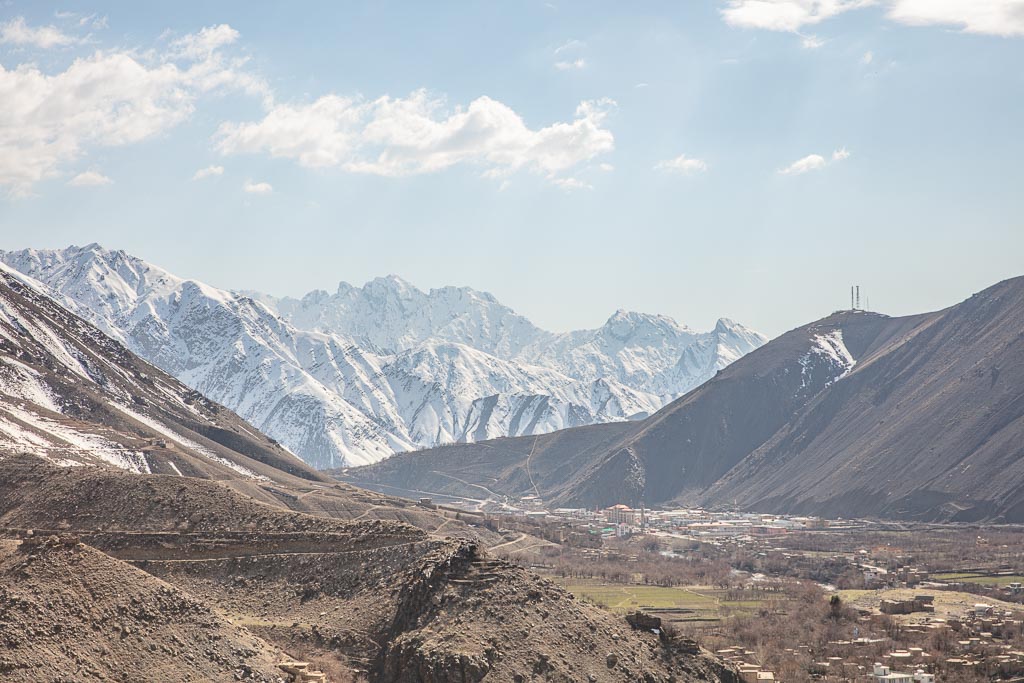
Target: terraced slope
[[70, 612], [374, 598]]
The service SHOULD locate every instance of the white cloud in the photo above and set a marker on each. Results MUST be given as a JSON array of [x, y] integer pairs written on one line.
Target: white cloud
[[110, 98], [785, 15], [419, 134], [992, 17], [814, 162], [567, 63], [811, 42], [257, 188], [52, 118], [90, 179], [607, 168], [569, 46], [868, 57], [204, 43], [207, 172], [84, 20], [811, 162], [17, 32], [682, 164], [571, 66], [572, 184]]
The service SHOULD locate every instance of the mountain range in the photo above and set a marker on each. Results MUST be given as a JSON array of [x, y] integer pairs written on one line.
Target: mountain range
[[352, 377], [149, 533], [856, 414]]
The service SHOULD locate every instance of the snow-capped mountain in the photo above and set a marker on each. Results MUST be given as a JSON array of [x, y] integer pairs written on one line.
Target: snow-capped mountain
[[652, 354], [391, 314], [352, 377], [71, 395], [649, 353], [452, 392]]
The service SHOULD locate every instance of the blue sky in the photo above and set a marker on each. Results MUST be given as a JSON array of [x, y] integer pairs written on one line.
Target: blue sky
[[746, 158]]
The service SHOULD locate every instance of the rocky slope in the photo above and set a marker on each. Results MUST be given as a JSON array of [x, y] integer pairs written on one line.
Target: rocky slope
[[231, 585], [350, 378], [70, 612], [72, 395], [858, 414], [929, 424]]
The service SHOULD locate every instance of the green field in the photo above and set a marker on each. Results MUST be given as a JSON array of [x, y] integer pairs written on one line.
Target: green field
[[630, 597], [693, 603], [966, 577], [953, 576]]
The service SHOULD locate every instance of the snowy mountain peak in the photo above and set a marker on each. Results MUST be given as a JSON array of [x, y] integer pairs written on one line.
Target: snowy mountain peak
[[392, 286], [740, 336], [352, 376], [464, 293], [391, 314], [317, 296], [725, 325], [642, 328]]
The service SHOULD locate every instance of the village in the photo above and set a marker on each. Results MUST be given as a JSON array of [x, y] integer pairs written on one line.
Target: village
[[793, 598], [621, 520]]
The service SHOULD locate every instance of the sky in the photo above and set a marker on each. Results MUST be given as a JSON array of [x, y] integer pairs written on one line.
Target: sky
[[742, 158]]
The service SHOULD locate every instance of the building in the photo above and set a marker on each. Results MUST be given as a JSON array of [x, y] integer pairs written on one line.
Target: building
[[920, 603], [719, 529], [883, 674], [622, 514], [911, 576]]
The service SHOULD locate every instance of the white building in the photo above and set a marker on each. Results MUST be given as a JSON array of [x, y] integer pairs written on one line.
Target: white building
[[882, 674]]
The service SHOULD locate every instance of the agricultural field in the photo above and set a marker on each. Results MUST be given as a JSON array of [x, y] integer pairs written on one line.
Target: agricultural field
[[624, 598], [987, 579], [948, 604], [691, 603]]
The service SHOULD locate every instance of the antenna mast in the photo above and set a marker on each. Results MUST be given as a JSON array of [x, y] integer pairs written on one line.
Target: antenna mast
[[857, 308]]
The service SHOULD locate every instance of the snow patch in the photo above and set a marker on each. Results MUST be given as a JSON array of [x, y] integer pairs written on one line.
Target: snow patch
[[186, 442], [830, 349], [47, 436], [19, 381]]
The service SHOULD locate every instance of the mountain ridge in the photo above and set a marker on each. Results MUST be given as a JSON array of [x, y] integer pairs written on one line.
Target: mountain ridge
[[427, 374], [73, 395], [855, 414]]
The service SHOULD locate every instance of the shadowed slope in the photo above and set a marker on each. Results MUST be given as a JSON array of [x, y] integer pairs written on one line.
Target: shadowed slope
[[857, 414]]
